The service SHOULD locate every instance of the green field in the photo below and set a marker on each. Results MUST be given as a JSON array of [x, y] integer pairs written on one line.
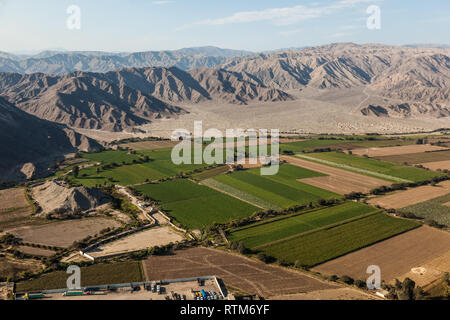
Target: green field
[[373, 167], [159, 166], [282, 189], [98, 274], [323, 245], [280, 228], [434, 209], [341, 143], [196, 206]]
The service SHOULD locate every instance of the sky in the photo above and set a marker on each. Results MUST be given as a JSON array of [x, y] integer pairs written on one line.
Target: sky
[[255, 25]]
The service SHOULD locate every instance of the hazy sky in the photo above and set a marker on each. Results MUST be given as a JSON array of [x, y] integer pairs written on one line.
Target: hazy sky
[[139, 25]]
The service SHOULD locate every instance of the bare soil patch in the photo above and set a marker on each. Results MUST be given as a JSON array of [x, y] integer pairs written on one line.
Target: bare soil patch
[[329, 294], [418, 158], [442, 165], [10, 267], [237, 272], [150, 145], [391, 151], [138, 241], [428, 274], [63, 234], [413, 196], [13, 205], [395, 256], [35, 251], [337, 180]]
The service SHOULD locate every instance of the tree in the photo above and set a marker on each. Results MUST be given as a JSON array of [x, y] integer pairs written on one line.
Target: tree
[[241, 248], [76, 171]]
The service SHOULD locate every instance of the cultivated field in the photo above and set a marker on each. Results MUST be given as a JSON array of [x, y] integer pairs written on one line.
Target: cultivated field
[[196, 206], [395, 256], [391, 151], [145, 239], [436, 209], [63, 234], [282, 190], [372, 167], [236, 271], [150, 145], [418, 158], [321, 246], [126, 172], [413, 196], [438, 165], [98, 274], [336, 180], [210, 173], [13, 205], [276, 229], [429, 274]]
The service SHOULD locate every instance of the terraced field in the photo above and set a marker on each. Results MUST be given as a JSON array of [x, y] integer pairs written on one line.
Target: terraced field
[[268, 231], [196, 206], [372, 167], [282, 190], [321, 246]]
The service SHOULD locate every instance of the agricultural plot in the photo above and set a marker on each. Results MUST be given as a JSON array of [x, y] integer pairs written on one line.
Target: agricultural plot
[[196, 206], [239, 194], [438, 165], [436, 209], [98, 274], [63, 234], [141, 240], [207, 174], [401, 199], [396, 151], [324, 245], [282, 190], [10, 267], [159, 166], [237, 272], [268, 231], [336, 180], [13, 205], [395, 256], [150, 145], [418, 158], [372, 167]]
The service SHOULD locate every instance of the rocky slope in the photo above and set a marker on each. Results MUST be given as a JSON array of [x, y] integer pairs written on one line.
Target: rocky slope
[[57, 199], [83, 101], [30, 144]]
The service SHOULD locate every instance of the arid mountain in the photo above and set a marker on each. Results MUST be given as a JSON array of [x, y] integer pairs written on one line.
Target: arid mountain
[[83, 101], [234, 87], [418, 77], [63, 62], [29, 144]]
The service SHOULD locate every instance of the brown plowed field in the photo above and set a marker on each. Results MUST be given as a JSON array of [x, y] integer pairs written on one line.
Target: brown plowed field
[[391, 151], [443, 165], [150, 145], [236, 271], [395, 256], [416, 158], [337, 180], [13, 204], [413, 196]]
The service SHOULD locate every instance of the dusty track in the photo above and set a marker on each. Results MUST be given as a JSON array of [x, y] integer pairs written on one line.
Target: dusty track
[[392, 151]]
